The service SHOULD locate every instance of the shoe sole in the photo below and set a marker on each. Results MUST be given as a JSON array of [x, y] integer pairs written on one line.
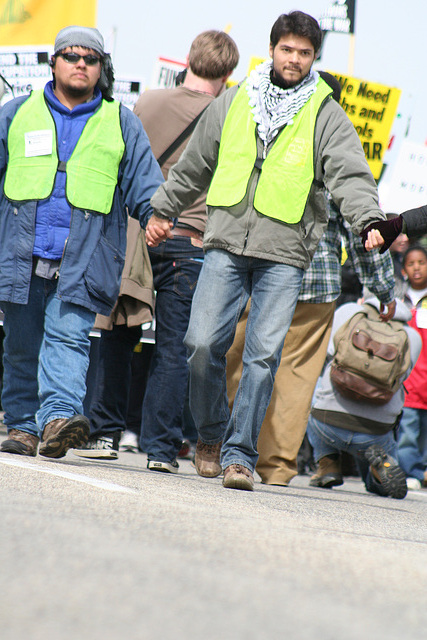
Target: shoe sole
[[392, 477], [244, 484], [97, 454], [162, 467], [74, 434], [13, 446]]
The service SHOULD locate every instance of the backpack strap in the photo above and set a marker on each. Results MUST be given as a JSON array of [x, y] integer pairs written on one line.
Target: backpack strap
[[180, 139]]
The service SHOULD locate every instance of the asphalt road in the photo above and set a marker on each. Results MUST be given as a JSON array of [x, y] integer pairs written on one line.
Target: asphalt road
[[106, 550]]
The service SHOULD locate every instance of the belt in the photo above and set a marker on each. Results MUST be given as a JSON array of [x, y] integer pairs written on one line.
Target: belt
[[188, 233]]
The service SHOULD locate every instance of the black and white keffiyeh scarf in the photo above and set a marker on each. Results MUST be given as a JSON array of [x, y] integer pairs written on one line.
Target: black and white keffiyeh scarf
[[272, 106]]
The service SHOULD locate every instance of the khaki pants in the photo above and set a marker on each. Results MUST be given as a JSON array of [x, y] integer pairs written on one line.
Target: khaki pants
[[302, 360]]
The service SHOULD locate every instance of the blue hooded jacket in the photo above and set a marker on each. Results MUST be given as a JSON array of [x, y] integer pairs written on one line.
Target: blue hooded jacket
[[91, 246]]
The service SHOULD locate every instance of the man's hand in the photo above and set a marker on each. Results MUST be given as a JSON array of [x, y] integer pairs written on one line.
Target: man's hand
[[381, 234], [157, 230], [388, 314], [374, 240]]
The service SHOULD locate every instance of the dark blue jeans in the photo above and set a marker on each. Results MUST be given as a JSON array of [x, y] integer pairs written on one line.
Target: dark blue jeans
[[176, 266], [109, 403]]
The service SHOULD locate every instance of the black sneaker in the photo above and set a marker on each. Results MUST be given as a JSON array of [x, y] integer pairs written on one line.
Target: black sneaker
[[100, 447], [387, 472], [165, 467]]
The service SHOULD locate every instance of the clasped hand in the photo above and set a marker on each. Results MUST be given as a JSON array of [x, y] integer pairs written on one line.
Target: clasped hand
[[158, 230]]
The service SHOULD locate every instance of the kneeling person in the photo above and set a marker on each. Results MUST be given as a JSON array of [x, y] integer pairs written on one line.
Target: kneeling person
[[362, 428]]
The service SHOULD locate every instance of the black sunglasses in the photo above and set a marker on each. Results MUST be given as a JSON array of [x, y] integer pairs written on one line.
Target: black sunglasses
[[73, 58]]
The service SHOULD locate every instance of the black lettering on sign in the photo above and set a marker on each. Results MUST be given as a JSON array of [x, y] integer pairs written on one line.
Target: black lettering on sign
[[373, 150]]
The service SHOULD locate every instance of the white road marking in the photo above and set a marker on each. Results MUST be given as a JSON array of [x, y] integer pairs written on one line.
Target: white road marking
[[77, 477]]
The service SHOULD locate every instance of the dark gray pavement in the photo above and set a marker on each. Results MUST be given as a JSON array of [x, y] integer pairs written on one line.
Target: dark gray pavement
[[105, 550]]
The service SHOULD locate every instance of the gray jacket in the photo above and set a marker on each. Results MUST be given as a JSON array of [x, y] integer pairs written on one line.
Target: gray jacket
[[339, 165]]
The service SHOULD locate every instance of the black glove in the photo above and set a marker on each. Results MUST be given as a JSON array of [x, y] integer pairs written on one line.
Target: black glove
[[389, 229]]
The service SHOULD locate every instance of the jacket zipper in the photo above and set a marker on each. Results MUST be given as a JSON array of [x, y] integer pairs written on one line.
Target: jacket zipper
[[62, 257], [251, 195], [65, 246]]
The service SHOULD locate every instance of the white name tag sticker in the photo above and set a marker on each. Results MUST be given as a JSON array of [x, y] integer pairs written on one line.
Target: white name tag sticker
[[421, 318], [38, 143]]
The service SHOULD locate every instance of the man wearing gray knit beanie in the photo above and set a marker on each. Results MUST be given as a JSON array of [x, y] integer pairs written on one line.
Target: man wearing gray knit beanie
[[90, 39], [73, 162]]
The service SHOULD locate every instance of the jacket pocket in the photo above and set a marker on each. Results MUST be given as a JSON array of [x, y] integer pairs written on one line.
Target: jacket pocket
[[104, 271]]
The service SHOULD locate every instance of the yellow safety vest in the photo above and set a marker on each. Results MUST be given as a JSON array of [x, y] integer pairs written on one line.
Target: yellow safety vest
[[92, 169], [286, 173]]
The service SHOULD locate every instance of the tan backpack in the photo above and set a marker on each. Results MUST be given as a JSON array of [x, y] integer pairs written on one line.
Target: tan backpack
[[371, 356]]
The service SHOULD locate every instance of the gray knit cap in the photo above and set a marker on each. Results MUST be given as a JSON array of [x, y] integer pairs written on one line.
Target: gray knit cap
[[75, 36]]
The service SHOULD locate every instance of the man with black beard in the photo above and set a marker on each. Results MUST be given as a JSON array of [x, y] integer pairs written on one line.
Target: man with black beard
[[267, 150]]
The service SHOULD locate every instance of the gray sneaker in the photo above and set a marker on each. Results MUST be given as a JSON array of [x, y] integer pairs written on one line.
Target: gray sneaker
[[101, 447]]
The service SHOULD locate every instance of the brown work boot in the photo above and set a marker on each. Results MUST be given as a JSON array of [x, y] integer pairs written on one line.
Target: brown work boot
[[236, 476], [21, 442], [328, 473], [63, 434], [206, 459]]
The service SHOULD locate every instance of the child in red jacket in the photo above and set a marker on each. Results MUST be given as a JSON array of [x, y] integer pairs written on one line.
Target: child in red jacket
[[412, 439]]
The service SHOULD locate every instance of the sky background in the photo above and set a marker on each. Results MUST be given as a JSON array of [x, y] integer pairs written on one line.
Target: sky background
[[390, 40]]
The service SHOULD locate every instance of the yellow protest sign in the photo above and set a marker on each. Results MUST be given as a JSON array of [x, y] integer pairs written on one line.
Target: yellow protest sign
[[372, 108], [28, 22]]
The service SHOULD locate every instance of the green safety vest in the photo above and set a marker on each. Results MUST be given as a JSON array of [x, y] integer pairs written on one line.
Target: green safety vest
[[288, 170], [92, 169]]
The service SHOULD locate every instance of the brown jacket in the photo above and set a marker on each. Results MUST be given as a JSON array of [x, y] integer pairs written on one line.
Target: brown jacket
[[135, 304]]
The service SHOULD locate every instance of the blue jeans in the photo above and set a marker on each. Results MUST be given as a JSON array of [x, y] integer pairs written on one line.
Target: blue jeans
[[327, 440], [225, 284], [412, 442], [46, 356], [176, 266]]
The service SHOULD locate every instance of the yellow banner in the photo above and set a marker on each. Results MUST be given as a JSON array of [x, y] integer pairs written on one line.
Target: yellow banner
[[254, 61], [29, 22], [372, 108]]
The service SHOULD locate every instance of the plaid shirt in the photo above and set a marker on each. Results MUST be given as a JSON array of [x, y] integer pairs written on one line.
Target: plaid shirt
[[322, 280]]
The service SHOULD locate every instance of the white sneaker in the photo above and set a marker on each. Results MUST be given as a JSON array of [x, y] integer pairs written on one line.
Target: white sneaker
[[166, 467], [413, 484], [129, 442], [102, 447]]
